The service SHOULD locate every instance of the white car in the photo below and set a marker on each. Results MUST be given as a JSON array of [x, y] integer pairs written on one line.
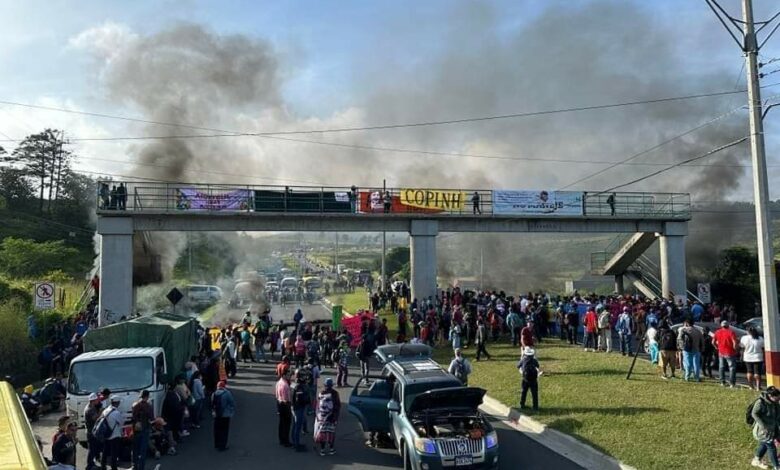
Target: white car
[[203, 294]]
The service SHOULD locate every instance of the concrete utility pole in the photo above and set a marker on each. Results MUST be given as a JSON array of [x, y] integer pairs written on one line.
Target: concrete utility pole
[[766, 260], [383, 275]]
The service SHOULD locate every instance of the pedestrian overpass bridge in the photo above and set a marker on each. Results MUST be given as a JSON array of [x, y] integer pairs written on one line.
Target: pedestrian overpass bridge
[[423, 213]]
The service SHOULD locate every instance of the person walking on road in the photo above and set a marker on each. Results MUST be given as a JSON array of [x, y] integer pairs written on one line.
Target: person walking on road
[[460, 367], [481, 339], [328, 409], [143, 415], [766, 419], [300, 400], [753, 356], [224, 407], [91, 414], [530, 371], [691, 341], [342, 361], [725, 341], [113, 444], [284, 408]]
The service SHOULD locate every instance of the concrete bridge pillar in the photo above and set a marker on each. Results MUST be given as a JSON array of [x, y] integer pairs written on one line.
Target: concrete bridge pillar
[[116, 269], [620, 288], [422, 248], [673, 274]]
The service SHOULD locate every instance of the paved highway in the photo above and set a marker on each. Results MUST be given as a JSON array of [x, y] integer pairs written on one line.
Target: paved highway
[[253, 440]]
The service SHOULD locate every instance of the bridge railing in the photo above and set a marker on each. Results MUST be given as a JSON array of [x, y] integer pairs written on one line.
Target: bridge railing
[[182, 197]]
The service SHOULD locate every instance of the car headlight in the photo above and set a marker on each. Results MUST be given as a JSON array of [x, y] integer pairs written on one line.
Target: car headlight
[[491, 440], [424, 446]]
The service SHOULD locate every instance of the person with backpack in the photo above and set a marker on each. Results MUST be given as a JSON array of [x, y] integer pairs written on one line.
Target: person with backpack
[[529, 370], [224, 407], [625, 328], [108, 430], [691, 341], [668, 345], [460, 367], [764, 415]]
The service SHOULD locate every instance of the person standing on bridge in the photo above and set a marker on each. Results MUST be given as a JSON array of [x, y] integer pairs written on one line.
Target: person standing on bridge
[[224, 406], [476, 209], [388, 201]]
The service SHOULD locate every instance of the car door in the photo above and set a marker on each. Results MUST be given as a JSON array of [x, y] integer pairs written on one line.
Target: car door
[[369, 404], [396, 426]]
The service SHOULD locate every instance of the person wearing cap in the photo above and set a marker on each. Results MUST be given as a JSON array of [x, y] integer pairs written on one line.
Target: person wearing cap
[[766, 419], [529, 370], [224, 406], [328, 409], [113, 444], [91, 414], [63, 447], [143, 415], [727, 344]]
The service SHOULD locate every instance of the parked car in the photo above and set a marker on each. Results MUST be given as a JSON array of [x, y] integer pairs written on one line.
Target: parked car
[[757, 322], [433, 420], [402, 351], [203, 294]]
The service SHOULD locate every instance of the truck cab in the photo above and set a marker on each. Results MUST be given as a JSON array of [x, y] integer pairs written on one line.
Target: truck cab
[[433, 420], [126, 372]]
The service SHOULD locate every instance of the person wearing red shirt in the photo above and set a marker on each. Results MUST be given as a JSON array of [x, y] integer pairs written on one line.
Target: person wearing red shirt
[[591, 329], [725, 341], [527, 336]]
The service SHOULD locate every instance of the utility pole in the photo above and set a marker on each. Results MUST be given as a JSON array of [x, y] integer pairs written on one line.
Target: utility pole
[[750, 46], [766, 259], [383, 274]]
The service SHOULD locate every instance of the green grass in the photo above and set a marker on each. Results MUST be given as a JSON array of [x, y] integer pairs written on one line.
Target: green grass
[[208, 314], [645, 422], [351, 303]]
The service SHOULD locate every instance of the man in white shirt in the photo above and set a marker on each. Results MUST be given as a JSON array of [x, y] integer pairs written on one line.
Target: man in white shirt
[[115, 419]]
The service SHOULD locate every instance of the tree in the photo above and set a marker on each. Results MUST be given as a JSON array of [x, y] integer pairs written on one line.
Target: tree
[[28, 259], [15, 189], [395, 260], [44, 158]]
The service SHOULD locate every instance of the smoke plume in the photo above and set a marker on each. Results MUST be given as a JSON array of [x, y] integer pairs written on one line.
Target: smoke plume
[[567, 55]]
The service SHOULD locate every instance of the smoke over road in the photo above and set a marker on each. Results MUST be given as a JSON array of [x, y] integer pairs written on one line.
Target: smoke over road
[[563, 56]]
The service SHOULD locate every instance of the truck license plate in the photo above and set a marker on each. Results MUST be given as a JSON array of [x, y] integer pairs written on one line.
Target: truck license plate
[[463, 461]]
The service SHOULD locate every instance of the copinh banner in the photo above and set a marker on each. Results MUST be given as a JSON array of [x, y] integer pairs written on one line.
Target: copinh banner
[[193, 199], [538, 202]]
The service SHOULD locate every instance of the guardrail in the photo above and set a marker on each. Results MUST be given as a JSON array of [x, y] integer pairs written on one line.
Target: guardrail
[[181, 197]]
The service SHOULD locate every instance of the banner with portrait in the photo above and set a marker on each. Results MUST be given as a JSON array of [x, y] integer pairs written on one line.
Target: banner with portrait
[[538, 203]]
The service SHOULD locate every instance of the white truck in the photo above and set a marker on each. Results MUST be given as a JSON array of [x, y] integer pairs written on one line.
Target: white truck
[[126, 372]]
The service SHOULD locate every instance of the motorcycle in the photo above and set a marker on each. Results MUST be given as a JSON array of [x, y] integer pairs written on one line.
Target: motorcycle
[[50, 396], [30, 405]]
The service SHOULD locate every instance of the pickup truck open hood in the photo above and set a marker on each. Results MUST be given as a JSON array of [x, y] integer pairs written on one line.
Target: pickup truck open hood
[[452, 397]]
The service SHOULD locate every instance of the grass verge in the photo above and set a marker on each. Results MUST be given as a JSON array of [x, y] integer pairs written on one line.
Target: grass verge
[[350, 303], [646, 422]]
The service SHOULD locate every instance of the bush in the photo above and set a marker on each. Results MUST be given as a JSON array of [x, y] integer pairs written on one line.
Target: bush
[[18, 353], [29, 259]]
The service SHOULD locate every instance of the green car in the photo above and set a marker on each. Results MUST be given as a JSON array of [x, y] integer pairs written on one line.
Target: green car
[[432, 419]]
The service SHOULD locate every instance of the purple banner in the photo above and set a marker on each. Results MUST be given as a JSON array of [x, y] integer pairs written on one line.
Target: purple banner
[[211, 200]]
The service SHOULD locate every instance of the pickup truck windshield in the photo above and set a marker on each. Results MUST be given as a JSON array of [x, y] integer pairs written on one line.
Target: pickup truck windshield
[[120, 374]]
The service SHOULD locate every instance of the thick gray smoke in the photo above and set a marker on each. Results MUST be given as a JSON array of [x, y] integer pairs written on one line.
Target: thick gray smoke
[[569, 55]]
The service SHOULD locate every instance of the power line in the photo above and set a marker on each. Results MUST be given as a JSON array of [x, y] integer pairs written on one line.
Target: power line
[[654, 147], [367, 128], [711, 152]]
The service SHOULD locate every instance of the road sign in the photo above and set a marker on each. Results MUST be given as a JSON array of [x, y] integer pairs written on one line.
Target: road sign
[[44, 295], [175, 296], [704, 293]]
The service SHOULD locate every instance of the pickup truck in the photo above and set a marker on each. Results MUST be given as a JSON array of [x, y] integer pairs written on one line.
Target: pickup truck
[[433, 420]]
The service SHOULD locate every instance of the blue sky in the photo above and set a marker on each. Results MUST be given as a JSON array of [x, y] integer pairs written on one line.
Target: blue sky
[[339, 59]]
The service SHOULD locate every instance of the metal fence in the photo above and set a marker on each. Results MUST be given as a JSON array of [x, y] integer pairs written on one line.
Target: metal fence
[[182, 197]]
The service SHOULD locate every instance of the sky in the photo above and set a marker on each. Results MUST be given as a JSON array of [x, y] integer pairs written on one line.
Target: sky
[[292, 65]]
